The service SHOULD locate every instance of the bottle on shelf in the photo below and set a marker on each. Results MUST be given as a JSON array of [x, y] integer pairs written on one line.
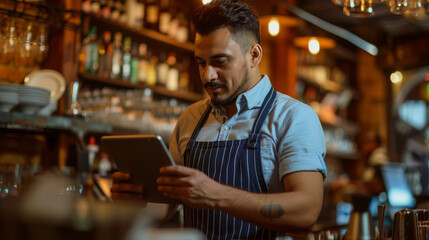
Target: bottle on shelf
[[151, 14], [86, 6], [143, 63], [126, 59], [173, 73], [117, 56], [162, 69], [95, 6], [134, 76], [182, 29], [151, 69], [134, 12], [164, 16], [104, 8], [106, 52], [95, 55], [88, 49]]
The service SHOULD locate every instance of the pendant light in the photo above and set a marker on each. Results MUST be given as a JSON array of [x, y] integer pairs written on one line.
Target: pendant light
[[314, 44]]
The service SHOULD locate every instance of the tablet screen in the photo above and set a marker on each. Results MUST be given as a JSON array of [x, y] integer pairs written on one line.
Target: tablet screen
[[142, 156]]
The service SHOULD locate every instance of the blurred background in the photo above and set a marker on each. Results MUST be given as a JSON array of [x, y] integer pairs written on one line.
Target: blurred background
[[73, 71]]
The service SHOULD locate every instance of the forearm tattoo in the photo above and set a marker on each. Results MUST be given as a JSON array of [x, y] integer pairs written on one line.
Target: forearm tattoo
[[272, 211]]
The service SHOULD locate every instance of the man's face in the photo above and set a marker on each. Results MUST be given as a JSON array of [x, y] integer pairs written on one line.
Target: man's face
[[222, 66]]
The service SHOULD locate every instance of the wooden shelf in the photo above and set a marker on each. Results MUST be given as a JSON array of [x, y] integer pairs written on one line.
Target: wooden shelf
[[159, 90], [142, 32]]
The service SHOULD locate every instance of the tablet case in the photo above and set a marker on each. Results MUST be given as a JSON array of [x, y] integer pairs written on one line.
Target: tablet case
[[142, 156]]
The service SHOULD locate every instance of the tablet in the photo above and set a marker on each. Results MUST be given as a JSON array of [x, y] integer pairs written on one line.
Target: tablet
[[142, 156]]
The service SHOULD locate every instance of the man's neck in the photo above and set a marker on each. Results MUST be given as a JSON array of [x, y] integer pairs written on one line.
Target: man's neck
[[230, 109]]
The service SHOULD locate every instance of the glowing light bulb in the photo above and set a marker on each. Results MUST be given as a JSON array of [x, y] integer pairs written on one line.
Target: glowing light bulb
[[274, 27], [313, 46], [206, 1], [396, 77]]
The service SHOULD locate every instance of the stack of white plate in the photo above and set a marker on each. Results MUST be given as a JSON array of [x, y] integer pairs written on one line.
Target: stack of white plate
[[8, 96], [51, 80], [31, 99]]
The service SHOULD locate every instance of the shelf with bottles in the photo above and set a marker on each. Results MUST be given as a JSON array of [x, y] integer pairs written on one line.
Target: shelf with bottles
[[161, 22], [128, 62], [157, 90]]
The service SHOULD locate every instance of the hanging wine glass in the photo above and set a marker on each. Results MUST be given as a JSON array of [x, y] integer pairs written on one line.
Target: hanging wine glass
[[25, 54], [9, 42], [41, 43]]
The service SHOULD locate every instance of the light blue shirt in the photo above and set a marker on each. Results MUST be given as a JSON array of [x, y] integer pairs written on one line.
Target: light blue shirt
[[292, 136]]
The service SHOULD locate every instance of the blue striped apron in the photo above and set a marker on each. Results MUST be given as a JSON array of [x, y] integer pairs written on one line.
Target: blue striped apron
[[236, 163]]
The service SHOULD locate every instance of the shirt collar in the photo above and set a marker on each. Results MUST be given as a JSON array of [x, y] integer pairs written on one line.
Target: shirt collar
[[249, 99]]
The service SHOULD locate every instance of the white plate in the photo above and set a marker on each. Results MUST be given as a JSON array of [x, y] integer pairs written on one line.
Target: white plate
[[48, 79]]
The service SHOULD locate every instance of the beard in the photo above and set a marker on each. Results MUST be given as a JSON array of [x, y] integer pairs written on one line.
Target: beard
[[230, 99]]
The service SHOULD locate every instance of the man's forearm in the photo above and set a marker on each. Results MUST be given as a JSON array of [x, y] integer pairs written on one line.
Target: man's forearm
[[279, 211]]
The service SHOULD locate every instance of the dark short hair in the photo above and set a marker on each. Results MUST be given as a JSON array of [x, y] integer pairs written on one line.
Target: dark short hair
[[239, 17]]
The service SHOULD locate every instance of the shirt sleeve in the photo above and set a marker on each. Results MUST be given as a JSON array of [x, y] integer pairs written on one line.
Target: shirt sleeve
[[302, 147]]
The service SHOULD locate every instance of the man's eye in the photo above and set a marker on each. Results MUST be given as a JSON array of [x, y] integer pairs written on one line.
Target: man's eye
[[201, 63], [219, 62]]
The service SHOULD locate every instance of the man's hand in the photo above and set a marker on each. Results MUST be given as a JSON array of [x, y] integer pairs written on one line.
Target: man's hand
[[189, 185], [123, 189]]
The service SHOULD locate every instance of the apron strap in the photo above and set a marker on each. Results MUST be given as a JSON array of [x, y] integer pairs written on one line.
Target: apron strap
[[199, 126], [252, 141]]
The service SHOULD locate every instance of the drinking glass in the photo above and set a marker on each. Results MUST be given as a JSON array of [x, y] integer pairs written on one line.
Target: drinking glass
[[407, 7], [358, 8], [10, 180]]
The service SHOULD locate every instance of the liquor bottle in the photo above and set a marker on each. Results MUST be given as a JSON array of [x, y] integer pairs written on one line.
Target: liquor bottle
[[134, 63], [126, 59], [182, 29], [95, 55], [88, 48], [162, 69], [151, 68], [151, 14], [143, 62], [173, 73], [105, 55], [140, 11], [117, 56], [164, 16], [105, 8]]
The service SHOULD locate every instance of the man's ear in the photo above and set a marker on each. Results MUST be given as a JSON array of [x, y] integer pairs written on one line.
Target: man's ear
[[255, 54]]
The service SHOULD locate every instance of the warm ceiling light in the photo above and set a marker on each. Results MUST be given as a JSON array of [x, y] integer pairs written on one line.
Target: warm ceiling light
[[396, 77], [275, 22], [206, 1], [314, 44], [274, 27]]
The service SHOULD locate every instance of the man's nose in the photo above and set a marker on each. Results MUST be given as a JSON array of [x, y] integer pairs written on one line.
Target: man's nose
[[209, 74]]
